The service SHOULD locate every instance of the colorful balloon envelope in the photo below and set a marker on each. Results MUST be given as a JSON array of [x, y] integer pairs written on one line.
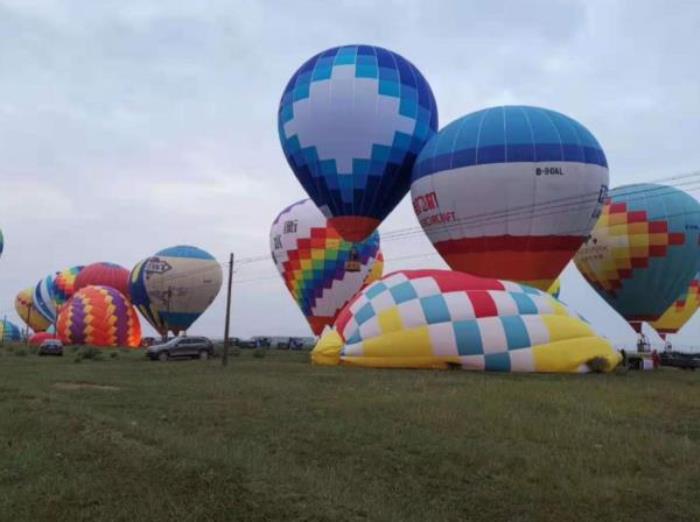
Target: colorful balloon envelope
[[351, 122], [643, 251], [321, 270], [510, 192], [39, 337], [555, 288], [99, 316], [43, 298], [442, 319], [10, 332], [174, 287], [103, 274], [681, 311], [28, 312], [64, 285]]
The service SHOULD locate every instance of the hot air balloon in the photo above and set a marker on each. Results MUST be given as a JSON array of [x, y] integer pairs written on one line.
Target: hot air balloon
[[64, 285], [43, 298], [510, 192], [377, 271], [351, 122], [40, 337], [643, 251], [99, 316], [680, 311], [174, 287], [27, 311], [9, 332], [441, 319], [321, 270], [103, 274], [2, 242]]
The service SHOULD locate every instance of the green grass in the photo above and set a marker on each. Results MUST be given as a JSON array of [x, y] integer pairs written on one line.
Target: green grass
[[276, 439]]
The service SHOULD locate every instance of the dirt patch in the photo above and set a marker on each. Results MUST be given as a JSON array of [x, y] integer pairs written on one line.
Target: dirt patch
[[84, 386]]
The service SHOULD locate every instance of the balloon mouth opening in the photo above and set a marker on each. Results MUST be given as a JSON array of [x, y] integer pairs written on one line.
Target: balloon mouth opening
[[354, 228]]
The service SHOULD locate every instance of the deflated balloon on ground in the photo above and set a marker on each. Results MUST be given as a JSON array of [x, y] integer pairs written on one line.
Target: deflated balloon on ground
[[441, 319]]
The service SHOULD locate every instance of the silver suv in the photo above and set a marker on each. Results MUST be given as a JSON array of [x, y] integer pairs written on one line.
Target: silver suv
[[190, 347]]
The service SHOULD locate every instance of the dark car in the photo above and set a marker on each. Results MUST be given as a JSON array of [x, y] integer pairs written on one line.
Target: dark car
[[182, 347], [51, 347], [685, 361]]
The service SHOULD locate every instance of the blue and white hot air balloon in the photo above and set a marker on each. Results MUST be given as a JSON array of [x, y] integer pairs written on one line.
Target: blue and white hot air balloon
[[43, 298], [351, 122], [174, 287]]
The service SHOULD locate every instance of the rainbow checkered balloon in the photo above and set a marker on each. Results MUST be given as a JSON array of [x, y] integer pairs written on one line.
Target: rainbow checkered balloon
[[99, 316], [643, 252], [64, 285], [440, 319], [321, 270]]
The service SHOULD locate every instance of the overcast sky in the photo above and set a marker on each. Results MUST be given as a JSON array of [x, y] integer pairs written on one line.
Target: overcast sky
[[130, 126]]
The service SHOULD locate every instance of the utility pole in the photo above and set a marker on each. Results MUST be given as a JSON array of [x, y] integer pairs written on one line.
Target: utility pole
[[224, 359]]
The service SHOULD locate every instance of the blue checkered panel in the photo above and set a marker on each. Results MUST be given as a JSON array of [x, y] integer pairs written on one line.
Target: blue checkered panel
[[352, 121]]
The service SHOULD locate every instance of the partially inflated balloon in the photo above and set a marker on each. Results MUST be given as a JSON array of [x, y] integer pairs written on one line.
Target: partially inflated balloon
[[174, 287], [99, 316], [441, 319], [64, 284], [103, 274], [317, 264], [510, 192], [351, 122], [27, 311], [680, 311], [643, 251], [43, 298]]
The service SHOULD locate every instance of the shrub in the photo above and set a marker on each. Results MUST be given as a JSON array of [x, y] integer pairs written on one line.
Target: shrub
[[113, 355], [90, 352], [260, 353]]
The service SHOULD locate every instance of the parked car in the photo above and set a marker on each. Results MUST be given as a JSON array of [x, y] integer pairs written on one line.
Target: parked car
[[685, 361], [243, 343], [51, 347], [181, 347]]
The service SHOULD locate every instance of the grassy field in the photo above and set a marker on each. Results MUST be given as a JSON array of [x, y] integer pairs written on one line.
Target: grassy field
[[276, 439]]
